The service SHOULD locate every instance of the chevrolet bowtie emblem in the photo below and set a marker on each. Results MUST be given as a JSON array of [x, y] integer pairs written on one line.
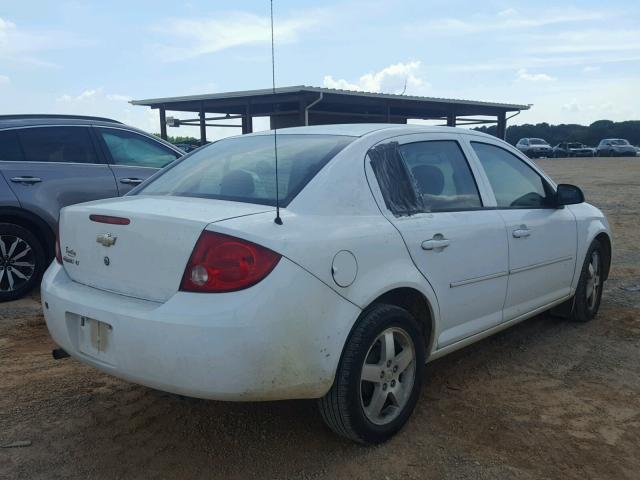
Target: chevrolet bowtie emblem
[[106, 239]]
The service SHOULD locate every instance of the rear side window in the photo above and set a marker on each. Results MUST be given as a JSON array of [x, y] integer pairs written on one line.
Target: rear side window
[[128, 148], [515, 184], [57, 144], [242, 169], [10, 146], [431, 176]]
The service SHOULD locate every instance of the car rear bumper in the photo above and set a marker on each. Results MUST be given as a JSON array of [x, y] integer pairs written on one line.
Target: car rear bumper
[[280, 339]]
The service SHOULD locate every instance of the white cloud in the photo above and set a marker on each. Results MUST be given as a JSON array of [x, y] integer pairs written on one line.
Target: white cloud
[[116, 97], [590, 69], [584, 40], [523, 74], [4, 80], [190, 38], [82, 97], [509, 19], [391, 79], [20, 45], [572, 106]]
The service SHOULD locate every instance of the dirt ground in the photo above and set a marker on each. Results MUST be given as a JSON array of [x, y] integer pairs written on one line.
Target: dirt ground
[[544, 399]]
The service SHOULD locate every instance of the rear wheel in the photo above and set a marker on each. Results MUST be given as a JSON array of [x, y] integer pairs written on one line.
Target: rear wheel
[[22, 261], [379, 377], [589, 292]]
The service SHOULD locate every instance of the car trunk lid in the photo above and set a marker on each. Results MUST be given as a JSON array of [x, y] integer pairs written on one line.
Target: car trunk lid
[[146, 257]]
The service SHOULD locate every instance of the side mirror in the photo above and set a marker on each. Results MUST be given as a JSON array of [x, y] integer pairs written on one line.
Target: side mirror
[[568, 195]]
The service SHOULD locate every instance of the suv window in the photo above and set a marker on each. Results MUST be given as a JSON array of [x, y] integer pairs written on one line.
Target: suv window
[[10, 146], [441, 175], [57, 144], [514, 183], [129, 148]]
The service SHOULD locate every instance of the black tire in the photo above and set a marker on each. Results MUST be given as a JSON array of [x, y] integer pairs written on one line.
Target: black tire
[[12, 285], [343, 408], [585, 306]]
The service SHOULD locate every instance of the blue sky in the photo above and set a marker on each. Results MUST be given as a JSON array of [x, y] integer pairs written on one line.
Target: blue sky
[[576, 62]]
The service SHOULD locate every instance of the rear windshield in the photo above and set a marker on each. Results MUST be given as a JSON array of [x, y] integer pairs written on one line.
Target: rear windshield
[[242, 169]]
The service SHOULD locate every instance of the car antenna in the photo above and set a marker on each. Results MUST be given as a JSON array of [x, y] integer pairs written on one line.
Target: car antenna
[[277, 220]]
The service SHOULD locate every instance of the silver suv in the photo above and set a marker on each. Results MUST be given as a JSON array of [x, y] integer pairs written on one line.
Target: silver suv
[[50, 161], [534, 147]]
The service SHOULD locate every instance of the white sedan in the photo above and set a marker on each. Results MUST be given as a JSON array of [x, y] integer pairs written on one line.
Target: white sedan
[[397, 245]]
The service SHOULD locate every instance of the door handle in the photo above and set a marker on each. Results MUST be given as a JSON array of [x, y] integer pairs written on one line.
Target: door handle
[[131, 181], [26, 179], [438, 241], [521, 232]]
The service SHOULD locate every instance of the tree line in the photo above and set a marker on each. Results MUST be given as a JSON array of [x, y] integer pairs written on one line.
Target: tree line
[[587, 134]]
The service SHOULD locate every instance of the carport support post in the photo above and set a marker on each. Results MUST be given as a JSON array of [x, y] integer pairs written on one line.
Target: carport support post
[[502, 126], [451, 118], [163, 123], [247, 121], [203, 128]]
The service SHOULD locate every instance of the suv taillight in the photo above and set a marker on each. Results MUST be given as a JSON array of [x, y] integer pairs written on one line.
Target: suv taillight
[[58, 251], [222, 263]]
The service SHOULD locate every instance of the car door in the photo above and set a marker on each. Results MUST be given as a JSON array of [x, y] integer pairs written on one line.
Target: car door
[[56, 166], [133, 157], [542, 238], [459, 246]]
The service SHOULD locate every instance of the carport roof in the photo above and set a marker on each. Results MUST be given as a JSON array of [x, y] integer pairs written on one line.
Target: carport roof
[[470, 106]]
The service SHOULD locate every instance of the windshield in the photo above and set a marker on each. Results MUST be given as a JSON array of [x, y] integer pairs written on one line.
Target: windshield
[[619, 142], [537, 141], [242, 169]]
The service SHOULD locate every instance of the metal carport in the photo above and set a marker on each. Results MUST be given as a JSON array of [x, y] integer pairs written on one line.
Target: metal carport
[[303, 105]]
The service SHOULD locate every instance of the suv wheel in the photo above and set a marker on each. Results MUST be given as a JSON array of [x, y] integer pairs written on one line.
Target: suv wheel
[[379, 377], [22, 261]]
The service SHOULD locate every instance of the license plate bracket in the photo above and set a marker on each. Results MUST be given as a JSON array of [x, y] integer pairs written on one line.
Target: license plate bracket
[[95, 339]]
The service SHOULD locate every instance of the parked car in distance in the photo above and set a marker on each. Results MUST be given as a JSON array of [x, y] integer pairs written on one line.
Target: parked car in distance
[[186, 147], [397, 245], [50, 161], [534, 147], [573, 149], [616, 147]]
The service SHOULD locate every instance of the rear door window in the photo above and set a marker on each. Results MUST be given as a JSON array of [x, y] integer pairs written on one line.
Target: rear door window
[[129, 148], [57, 144], [430, 176], [10, 146]]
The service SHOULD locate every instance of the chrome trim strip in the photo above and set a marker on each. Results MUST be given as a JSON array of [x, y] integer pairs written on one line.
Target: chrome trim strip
[[542, 264], [477, 279]]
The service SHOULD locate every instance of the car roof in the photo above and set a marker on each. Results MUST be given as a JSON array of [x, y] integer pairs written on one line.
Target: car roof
[[362, 129], [13, 121]]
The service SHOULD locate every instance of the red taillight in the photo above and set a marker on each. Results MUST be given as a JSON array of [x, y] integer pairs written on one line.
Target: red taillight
[[58, 251], [109, 219], [221, 263]]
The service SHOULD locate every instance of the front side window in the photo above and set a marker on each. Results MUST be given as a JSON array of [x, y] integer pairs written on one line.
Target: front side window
[[430, 176], [515, 184], [10, 146], [242, 169], [57, 144], [129, 148]]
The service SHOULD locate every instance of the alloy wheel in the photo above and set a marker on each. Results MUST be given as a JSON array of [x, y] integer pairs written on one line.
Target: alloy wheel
[[594, 283], [388, 375], [17, 262]]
